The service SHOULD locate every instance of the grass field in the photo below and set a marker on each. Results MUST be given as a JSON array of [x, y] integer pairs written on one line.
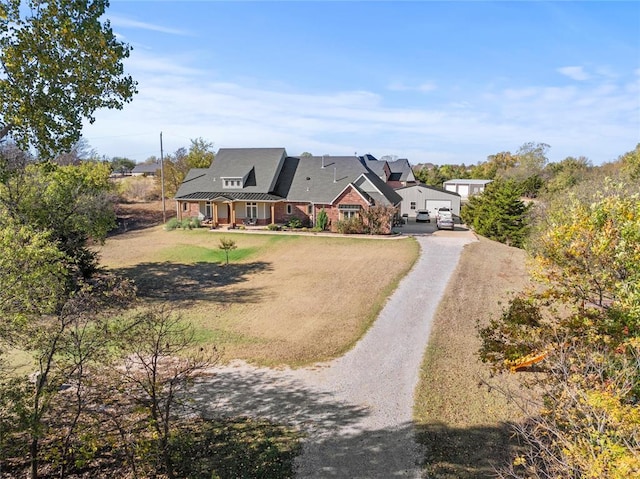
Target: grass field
[[283, 299], [462, 422]]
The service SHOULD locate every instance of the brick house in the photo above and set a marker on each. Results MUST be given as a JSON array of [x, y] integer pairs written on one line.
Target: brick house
[[266, 186]]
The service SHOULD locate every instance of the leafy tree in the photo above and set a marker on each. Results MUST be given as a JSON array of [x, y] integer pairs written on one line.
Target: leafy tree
[[122, 165], [49, 310], [177, 165], [59, 64], [378, 219], [631, 163], [200, 154], [227, 245], [565, 174], [583, 315], [499, 213], [72, 203]]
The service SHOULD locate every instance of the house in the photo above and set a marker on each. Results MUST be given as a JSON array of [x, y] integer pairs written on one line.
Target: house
[[145, 169], [420, 197], [466, 187], [266, 186], [396, 174]]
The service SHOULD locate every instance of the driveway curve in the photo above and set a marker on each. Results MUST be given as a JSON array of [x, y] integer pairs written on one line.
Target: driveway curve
[[355, 411]]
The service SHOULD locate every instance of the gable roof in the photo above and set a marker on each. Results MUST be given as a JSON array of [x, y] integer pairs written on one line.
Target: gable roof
[[270, 175], [146, 168], [258, 167]]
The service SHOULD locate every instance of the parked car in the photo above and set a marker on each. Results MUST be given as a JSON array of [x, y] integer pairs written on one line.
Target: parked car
[[423, 215], [445, 212], [445, 222]]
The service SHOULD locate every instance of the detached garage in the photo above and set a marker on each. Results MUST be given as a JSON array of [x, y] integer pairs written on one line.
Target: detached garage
[[423, 197]]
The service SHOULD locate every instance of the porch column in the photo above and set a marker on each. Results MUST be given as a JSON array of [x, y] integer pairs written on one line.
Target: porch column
[[233, 213], [215, 214], [179, 210], [273, 213]]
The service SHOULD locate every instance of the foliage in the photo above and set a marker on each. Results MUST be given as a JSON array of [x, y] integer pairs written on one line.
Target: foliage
[[172, 224], [122, 165], [322, 221], [353, 225], [585, 314], [159, 366], [60, 63], [273, 227], [72, 203], [227, 245], [498, 213], [294, 223], [631, 163], [378, 219], [176, 166]]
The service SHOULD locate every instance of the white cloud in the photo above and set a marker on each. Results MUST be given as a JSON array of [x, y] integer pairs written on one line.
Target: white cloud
[[184, 102], [123, 22], [423, 87], [575, 73]]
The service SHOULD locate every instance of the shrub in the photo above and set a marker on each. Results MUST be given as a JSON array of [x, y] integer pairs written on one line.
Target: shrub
[[273, 227], [294, 223], [323, 220], [172, 224], [353, 225]]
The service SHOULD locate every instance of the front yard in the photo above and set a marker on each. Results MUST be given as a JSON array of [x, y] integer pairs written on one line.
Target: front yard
[[282, 299]]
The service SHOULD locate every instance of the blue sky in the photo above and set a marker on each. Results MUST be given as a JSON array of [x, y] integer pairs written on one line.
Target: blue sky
[[440, 82]]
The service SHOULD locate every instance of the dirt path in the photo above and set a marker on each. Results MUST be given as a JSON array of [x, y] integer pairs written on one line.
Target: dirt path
[[355, 411]]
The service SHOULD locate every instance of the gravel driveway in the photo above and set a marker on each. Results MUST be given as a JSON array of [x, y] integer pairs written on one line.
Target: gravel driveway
[[355, 411]]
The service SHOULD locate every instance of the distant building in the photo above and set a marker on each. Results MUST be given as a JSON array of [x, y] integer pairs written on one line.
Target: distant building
[[466, 187], [145, 169]]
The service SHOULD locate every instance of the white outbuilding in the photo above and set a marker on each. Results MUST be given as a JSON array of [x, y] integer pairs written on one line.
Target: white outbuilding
[[422, 197]]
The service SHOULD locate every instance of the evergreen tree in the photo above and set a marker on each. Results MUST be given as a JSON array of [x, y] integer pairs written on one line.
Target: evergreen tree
[[498, 213]]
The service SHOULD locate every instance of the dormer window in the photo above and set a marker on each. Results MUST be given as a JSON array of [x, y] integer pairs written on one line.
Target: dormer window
[[232, 182]]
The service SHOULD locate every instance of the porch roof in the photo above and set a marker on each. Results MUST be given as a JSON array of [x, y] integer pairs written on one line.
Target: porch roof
[[230, 196]]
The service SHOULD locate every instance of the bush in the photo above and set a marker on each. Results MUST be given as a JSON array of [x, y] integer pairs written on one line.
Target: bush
[[172, 224], [294, 223], [323, 220], [273, 227], [353, 225]]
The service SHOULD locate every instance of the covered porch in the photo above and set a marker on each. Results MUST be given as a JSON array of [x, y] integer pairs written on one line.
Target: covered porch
[[221, 211]]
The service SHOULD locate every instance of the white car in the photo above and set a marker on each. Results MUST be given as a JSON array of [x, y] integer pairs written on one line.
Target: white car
[[423, 215]]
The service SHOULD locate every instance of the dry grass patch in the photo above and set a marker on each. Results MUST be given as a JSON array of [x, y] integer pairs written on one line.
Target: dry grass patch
[[463, 423], [291, 300]]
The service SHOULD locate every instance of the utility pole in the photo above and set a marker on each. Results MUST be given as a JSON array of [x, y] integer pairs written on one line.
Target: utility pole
[[164, 210]]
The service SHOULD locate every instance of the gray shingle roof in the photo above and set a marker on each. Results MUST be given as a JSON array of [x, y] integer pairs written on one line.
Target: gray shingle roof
[[273, 176]]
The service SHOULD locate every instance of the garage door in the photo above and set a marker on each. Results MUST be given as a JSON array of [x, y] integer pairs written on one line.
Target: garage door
[[433, 205]]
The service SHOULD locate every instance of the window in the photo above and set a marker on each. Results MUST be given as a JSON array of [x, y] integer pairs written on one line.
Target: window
[[207, 209], [349, 211], [309, 209], [185, 206], [289, 209], [232, 182], [413, 205], [252, 210]]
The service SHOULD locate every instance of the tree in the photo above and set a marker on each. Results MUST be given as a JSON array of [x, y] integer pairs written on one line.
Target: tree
[[631, 163], [72, 203], [177, 165], [200, 154], [52, 312], [582, 318], [227, 245], [322, 220], [59, 64], [122, 165], [163, 363], [498, 213]]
